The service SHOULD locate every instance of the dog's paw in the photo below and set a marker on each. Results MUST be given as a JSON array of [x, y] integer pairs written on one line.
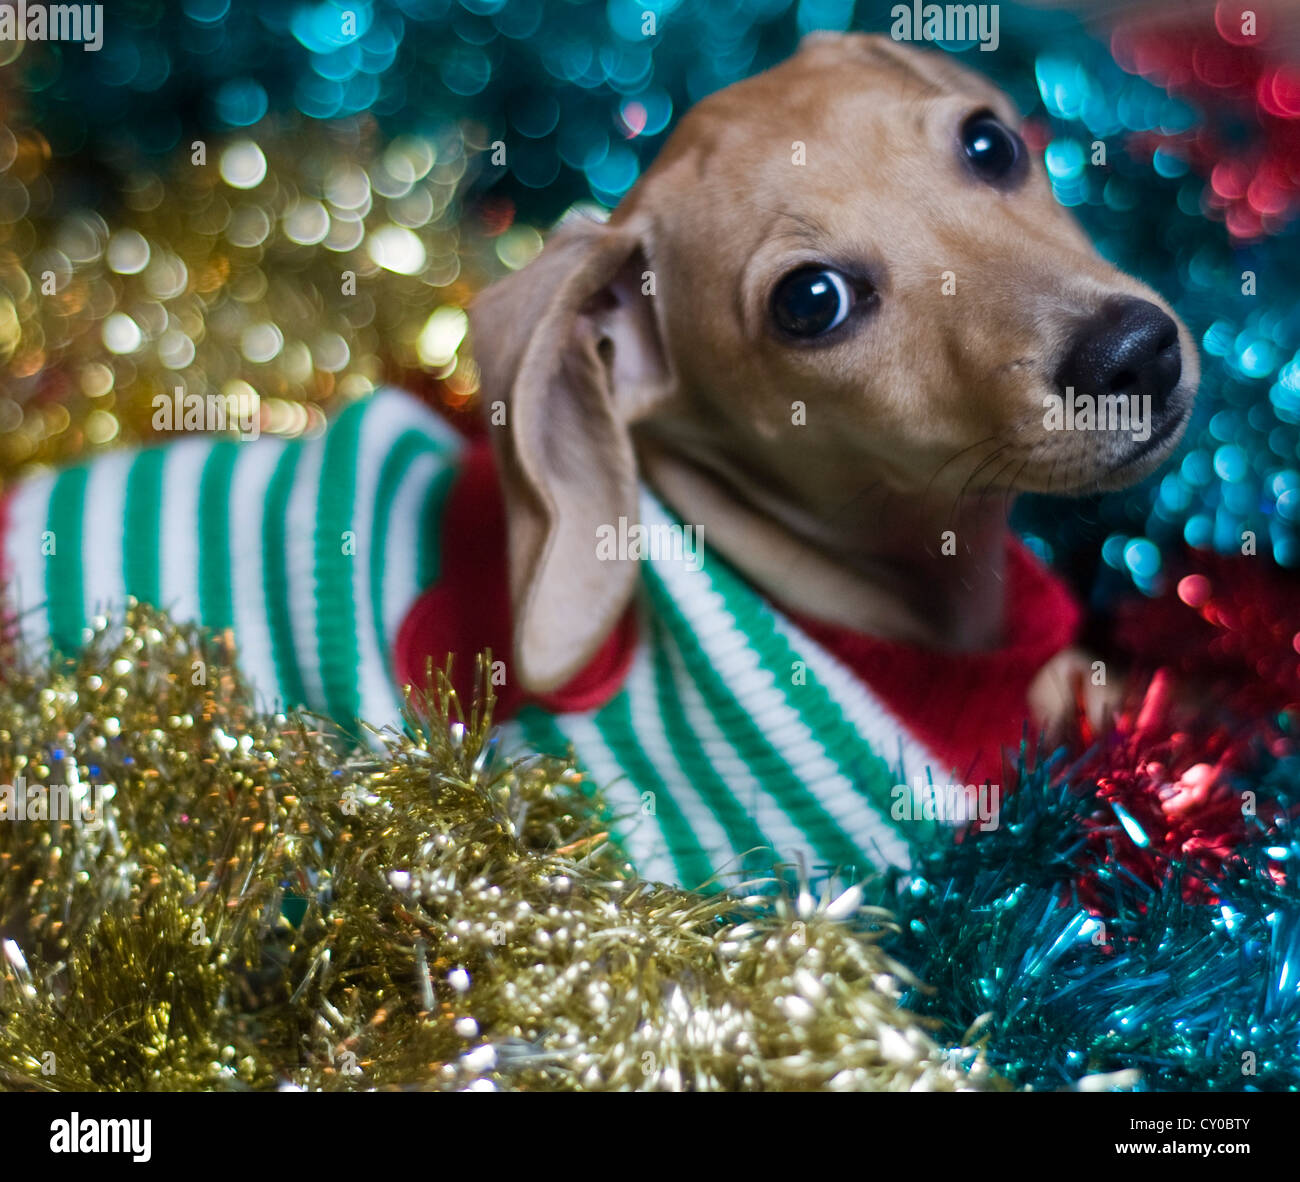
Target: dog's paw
[[1065, 700]]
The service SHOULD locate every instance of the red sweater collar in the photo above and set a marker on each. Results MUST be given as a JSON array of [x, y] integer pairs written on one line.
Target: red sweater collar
[[468, 609], [965, 706]]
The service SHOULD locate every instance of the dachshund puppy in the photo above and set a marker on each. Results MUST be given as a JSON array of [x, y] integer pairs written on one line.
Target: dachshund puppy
[[835, 327]]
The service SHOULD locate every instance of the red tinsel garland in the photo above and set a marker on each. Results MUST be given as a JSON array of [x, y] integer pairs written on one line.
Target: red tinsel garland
[[1216, 680]]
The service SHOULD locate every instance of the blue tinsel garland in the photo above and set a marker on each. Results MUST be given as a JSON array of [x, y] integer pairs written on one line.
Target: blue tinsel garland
[[1192, 995]]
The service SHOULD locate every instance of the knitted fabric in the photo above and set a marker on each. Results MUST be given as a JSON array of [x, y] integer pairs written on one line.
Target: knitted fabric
[[311, 550], [728, 740]]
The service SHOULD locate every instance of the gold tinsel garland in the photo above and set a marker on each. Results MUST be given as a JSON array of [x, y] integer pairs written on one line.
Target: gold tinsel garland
[[253, 904]]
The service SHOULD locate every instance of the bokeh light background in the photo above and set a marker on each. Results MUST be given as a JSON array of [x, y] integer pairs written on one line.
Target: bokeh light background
[[132, 262]]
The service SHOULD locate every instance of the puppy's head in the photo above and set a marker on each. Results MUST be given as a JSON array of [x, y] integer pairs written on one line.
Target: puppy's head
[[846, 272]]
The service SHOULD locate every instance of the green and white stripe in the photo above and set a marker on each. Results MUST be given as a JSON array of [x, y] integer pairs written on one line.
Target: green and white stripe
[[25, 560], [716, 757], [754, 744], [290, 544], [248, 498]]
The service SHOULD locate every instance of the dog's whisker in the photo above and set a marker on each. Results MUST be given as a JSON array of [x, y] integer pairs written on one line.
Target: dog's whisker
[[1051, 474], [958, 500], [836, 514], [984, 463], [957, 455], [991, 484], [1011, 486]]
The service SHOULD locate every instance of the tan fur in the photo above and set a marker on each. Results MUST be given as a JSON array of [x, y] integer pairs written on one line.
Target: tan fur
[[926, 418]]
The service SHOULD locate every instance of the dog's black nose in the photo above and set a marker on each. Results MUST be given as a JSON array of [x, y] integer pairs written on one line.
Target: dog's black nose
[[1129, 348]]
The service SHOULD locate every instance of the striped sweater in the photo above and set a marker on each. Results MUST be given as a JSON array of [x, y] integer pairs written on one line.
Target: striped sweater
[[728, 740]]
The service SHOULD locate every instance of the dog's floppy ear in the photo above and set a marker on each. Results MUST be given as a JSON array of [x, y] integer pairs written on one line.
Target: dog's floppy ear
[[570, 353]]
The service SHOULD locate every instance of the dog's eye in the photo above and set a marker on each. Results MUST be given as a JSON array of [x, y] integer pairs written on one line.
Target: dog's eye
[[811, 302], [992, 149]]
